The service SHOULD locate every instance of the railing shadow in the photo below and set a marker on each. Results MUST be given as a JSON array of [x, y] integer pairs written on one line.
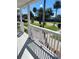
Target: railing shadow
[[26, 46], [19, 33]]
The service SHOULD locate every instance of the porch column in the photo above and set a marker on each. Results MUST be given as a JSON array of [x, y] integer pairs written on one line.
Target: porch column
[[29, 32], [21, 23]]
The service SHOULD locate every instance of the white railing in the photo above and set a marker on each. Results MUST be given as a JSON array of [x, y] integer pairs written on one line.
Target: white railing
[[40, 52], [51, 40]]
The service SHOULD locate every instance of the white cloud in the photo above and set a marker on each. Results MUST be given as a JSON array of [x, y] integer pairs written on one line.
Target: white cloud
[[41, 5]]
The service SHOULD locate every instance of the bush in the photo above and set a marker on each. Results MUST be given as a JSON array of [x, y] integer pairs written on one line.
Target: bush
[[59, 25]]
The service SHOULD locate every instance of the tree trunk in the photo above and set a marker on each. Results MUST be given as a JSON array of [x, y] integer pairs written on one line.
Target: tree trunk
[[56, 12], [44, 13], [40, 23], [55, 16], [32, 21]]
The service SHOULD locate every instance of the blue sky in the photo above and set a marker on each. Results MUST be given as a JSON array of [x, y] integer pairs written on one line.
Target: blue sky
[[49, 4]]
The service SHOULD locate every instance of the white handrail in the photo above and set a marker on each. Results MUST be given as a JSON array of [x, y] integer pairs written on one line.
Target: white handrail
[[45, 29]]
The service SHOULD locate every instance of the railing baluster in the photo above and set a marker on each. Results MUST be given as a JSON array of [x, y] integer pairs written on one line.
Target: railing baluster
[[44, 55], [39, 53], [46, 39], [54, 43], [57, 43], [51, 42]]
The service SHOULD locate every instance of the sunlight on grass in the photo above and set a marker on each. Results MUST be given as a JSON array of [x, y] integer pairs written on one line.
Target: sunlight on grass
[[48, 25], [25, 24], [51, 27]]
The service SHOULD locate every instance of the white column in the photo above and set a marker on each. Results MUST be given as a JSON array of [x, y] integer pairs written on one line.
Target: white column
[[29, 32], [21, 23]]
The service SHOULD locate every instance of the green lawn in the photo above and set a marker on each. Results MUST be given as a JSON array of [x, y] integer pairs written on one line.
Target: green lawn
[[26, 24], [48, 25]]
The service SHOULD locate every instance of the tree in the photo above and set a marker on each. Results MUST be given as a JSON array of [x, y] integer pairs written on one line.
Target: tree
[[57, 5], [32, 17], [34, 10], [17, 11], [18, 16], [24, 16], [40, 15], [58, 17], [48, 13], [39, 12]]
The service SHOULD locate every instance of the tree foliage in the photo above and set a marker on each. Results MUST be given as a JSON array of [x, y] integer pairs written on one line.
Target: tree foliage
[[57, 5], [34, 9]]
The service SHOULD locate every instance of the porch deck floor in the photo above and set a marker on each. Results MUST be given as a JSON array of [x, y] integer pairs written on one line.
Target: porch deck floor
[[27, 48]]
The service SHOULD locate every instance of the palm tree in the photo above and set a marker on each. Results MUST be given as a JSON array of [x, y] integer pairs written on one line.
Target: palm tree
[[57, 5], [40, 15], [34, 10], [48, 13], [32, 17]]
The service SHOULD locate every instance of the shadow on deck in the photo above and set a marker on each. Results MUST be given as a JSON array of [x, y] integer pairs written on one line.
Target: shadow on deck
[[36, 51]]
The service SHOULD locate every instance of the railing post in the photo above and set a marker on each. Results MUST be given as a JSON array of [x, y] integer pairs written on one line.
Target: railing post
[[46, 44], [54, 43], [51, 43], [21, 23], [57, 43]]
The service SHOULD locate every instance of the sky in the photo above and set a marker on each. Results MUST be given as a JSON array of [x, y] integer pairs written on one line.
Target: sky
[[49, 4]]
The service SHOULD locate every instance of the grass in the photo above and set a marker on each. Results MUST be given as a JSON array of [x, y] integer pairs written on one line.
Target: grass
[[51, 27], [26, 24], [48, 25], [36, 24], [25, 30], [18, 27]]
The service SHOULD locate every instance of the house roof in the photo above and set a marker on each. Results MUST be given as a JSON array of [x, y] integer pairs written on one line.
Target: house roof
[[21, 3]]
